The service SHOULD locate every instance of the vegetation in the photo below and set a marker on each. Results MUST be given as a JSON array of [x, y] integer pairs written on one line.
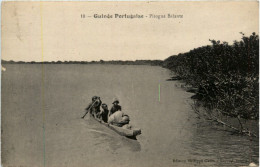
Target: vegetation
[[136, 62], [225, 76]]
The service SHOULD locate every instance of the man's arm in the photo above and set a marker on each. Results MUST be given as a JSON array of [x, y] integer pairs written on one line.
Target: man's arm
[[88, 106], [87, 110], [110, 111], [100, 102]]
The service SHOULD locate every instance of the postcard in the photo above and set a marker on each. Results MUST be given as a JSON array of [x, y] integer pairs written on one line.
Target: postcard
[[120, 84]]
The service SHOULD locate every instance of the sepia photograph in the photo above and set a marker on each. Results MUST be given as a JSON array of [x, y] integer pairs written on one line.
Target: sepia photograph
[[130, 84]]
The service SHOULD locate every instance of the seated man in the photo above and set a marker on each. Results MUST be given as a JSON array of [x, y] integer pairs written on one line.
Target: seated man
[[119, 119], [94, 107], [103, 114], [115, 107]]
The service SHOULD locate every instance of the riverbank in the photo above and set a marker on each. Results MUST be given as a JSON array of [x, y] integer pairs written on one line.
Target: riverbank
[[220, 77], [225, 88]]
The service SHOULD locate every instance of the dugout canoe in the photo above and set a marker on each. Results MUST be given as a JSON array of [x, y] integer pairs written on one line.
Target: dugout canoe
[[129, 133]]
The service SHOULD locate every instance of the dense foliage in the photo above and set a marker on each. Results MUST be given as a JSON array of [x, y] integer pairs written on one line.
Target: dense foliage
[[226, 76]]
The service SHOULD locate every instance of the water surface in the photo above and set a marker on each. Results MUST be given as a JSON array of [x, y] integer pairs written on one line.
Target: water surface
[[42, 106]]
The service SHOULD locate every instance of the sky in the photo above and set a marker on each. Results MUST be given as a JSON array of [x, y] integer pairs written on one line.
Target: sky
[[52, 31]]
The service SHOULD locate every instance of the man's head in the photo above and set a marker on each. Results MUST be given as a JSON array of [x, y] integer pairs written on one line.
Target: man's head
[[104, 106], [115, 101], [94, 98]]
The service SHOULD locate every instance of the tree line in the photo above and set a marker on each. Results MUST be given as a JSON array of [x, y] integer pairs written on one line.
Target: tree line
[[120, 62], [225, 76]]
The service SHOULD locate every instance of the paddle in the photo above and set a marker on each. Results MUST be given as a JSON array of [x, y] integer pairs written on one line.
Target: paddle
[[89, 108]]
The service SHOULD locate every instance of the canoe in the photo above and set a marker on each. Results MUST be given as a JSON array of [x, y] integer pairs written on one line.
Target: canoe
[[129, 133]]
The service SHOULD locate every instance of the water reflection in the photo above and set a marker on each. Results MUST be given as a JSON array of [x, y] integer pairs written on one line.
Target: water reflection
[[215, 143]]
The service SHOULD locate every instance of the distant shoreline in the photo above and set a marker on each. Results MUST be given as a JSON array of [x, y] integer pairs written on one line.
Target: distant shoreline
[[119, 62]]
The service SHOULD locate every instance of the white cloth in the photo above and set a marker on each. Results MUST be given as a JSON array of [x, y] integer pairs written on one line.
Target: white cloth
[[118, 117]]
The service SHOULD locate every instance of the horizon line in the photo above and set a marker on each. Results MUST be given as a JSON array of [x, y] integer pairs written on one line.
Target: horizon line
[[83, 60]]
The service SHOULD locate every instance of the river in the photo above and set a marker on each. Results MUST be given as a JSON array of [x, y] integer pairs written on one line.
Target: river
[[41, 124]]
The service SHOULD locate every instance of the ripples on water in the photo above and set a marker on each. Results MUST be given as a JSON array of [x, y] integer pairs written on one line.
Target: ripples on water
[[172, 135]]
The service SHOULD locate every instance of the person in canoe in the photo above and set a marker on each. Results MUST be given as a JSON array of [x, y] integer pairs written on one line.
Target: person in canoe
[[119, 119], [115, 107], [116, 116], [94, 107], [103, 114]]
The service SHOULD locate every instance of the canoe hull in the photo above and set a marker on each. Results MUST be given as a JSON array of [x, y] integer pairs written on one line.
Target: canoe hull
[[130, 133]]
